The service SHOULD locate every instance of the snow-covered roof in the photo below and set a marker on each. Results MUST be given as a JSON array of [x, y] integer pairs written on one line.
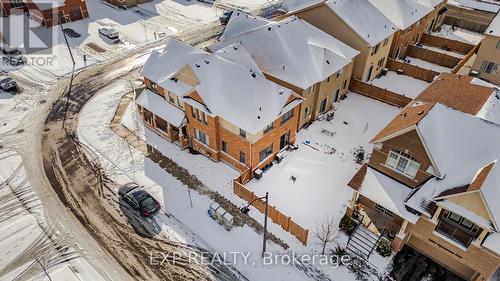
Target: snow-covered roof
[[159, 106], [402, 13], [494, 27], [291, 6], [466, 213], [228, 81], [492, 242], [291, 50], [429, 3], [162, 66], [232, 87], [459, 145], [387, 192], [491, 108], [475, 5], [364, 18]]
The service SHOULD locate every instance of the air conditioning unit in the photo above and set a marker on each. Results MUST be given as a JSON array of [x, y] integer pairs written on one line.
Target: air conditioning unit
[[257, 174], [474, 73]]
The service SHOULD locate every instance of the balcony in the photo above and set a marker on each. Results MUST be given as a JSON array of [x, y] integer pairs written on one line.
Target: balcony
[[458, 235]]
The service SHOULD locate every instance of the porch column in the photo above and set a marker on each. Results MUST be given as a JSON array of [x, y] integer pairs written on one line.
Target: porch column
[[436, 215], [402, 230], [169, 130], [354, 199], [480, 238], [154, 120]]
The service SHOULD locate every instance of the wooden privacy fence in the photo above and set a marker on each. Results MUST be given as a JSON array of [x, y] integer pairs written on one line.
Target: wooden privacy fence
[[412, 70], [276, 216], [465, 59], [377, 93], [465, 24], [447, 44], [433, 56]]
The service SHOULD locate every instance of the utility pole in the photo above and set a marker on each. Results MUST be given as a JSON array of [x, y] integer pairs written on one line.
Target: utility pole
[[265, 225], [72, 72]]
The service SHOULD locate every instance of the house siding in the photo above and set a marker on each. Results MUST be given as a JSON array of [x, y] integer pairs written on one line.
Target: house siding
[[488, 52]]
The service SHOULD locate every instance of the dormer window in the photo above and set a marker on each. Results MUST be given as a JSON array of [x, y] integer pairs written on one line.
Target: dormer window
[[154, 87], [403, 163]]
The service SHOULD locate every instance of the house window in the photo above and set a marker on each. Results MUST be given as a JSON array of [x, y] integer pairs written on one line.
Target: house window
[[338, 74], [265, 153], [17, 3], [461, 221], [224, 146], [243, 133], [375, 49], [171, 98], [201, 136], [200, 116], [242, 157], [403, 163], [489, 67], [328, 79], [381, 63], [345, 84], [154, 86], [268, 128], [307, 112], [287, 116], [386, 41], [384, 210]]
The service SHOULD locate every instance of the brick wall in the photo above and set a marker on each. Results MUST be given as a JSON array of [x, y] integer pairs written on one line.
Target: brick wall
[[72, 10], [409, 143]]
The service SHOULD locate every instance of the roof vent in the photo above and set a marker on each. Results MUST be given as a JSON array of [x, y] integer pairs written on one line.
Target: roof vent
[[197, 65], [260, 108], [420, 112], [173, 79], [404, 115], [281, 92], [327, 62], [258, 117], [235, 48], [207, 62], [253, 75], [497, 96], [269, 28], [283, 67]]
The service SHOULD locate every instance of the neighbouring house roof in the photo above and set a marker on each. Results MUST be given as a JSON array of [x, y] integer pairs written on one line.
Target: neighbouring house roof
[[463, 93], [364, 19], [475, 5], [402, 13], [291, 6], [492, 242], [384, 191], [429, 3], [228, 81], [494, 28], [291, 50], [163, 109]]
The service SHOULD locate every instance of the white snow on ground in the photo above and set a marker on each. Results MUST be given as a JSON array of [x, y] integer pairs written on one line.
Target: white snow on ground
[[439, 50], [428, 65], [124, 164], [459, 34], [401, 84], [321, 176]]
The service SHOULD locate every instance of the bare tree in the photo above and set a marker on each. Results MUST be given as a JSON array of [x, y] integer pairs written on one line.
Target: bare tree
[[326, 231]]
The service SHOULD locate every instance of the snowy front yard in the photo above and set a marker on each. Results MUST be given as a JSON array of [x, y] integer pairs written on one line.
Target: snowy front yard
[[401, 84], [324, 167]]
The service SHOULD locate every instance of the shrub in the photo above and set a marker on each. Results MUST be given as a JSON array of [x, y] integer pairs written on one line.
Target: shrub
[[384, 247], [339, 251], [347, 225]]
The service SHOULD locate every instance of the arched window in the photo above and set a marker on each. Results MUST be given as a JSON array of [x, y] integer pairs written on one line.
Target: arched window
[[403, 163]]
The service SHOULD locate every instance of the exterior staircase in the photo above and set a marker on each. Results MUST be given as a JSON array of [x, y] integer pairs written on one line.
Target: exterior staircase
[[362, 242]]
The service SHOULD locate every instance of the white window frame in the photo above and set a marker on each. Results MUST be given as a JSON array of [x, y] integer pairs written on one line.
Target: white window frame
[[485, 65], [395, 160], [201, 136]]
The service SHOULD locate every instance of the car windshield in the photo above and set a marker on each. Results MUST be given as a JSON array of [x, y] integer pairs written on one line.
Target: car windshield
[[148, 203], [4, 80]]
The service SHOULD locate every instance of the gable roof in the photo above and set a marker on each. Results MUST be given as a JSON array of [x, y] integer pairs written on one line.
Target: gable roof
[[291, 6], [291, 50], [364, 19], [402, 13], [429, 3], [494, 27], [228, 82]]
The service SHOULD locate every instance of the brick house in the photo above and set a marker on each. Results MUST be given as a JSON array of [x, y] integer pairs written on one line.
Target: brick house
[[357, 23], [296, 55], [219, 104], [47, 15], [433, 182], [410, 17]]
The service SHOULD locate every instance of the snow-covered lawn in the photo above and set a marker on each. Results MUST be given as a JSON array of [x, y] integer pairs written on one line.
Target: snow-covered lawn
[[428, 65], [459, 34], [401, 84], [320, 188]]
